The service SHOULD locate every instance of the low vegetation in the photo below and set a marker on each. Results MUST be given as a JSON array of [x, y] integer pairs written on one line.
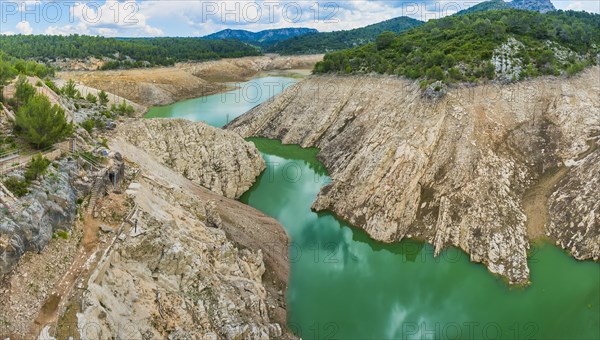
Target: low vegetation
[[468, 48], [37, 168]]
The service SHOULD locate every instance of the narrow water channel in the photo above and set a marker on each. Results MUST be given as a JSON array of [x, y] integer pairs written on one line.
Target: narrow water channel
[[344, 285]]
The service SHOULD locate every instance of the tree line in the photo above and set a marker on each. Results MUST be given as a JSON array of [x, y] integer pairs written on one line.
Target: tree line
[[123, 52]]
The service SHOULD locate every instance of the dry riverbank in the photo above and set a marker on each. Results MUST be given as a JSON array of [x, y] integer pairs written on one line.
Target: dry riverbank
[[166, 85]]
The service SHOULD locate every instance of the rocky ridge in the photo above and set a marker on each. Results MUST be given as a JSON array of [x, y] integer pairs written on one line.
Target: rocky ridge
[[218, 160], [451, 171]]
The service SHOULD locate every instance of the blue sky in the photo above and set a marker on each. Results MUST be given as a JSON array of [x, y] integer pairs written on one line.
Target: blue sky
[[147, 18]]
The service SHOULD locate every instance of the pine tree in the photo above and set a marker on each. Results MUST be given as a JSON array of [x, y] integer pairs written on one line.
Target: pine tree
[[23, 90], [103, 98], [42, 124], [91, 98], [70, 90]]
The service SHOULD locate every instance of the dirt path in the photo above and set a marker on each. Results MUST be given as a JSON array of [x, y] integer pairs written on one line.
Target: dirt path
[[48, 314]]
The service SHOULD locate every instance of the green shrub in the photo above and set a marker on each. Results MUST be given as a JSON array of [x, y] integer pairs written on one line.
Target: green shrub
[[70, 90], [104, 143], [103, 97], [91, 98], [37, 167], [88, 125], [18, 187], [436, 73], [63, 234], [123, 109], [52, 86], [385, 40]]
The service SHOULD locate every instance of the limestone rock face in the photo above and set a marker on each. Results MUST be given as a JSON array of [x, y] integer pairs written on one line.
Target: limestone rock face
[[176, 277], [452, 171], [218, 160], [50, 206], [542, 6], [575, 209]]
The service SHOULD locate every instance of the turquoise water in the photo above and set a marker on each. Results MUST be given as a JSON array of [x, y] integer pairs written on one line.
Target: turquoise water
[[344, 285], [220, 109]]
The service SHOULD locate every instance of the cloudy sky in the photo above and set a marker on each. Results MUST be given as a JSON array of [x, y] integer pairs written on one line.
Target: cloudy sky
[[148, 18]]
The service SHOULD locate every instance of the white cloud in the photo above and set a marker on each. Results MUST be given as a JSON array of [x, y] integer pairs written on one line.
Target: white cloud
[[115, 18], [202, 17], [67, 30], [24, 27], [205, 17], [588, 6], [7, 33]]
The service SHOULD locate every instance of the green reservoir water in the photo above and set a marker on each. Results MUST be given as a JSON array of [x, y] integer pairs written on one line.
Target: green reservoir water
[[220, 109], [344, 285]]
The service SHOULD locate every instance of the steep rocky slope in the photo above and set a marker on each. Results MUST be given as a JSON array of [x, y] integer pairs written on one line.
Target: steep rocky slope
[[174, 276], [218, 160], [197, 265], [575, 208], [50, 206], [452, 171]]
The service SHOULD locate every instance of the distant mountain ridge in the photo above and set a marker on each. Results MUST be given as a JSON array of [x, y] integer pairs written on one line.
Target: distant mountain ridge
[[324, 42], [542, 6], [262, 38]]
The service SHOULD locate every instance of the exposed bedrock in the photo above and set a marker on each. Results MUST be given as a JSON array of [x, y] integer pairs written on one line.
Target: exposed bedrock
[[215, 159], [454, 171]]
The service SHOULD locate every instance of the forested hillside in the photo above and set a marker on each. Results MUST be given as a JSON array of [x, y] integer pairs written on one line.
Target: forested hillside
[[332, 41], [508, 45], [123, 52], [264, 38]]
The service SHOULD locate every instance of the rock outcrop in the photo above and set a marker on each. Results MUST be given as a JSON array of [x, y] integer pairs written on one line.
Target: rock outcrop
[[542, 6], [218, 160], [177, 279], [50, 206], [193, 265], [451, 171], [575, 208]]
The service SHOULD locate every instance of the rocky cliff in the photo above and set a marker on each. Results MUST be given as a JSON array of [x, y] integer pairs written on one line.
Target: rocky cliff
[[173, 276], [218, 160], [454, 171], [192, 264], [50, 206]]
